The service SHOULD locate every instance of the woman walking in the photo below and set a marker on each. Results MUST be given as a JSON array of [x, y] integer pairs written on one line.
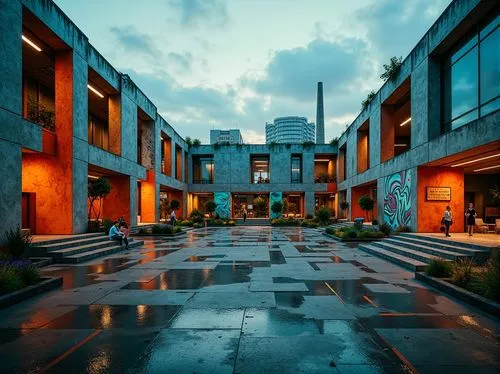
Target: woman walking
[[447, 218], [470, 214]]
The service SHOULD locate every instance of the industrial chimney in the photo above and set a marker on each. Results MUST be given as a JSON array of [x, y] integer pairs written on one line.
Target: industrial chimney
[[320, 116]]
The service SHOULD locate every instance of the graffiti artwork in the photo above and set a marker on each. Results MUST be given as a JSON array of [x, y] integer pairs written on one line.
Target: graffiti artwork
[[275, 197], [223, 201], [397, 199]]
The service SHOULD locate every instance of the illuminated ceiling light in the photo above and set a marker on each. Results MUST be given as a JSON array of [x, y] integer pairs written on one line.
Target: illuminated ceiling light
[[95, 91], [321, 160], [405, 122], [35, 47], [476, 160], [92, 177], [488, 168], [400, 145]]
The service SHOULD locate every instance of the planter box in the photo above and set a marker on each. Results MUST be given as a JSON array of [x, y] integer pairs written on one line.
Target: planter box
[[353, 239], [480, 302], [46, 284]]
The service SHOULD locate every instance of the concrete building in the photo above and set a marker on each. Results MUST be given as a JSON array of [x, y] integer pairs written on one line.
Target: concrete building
[[290, 130], [431, 136], [231, 136]]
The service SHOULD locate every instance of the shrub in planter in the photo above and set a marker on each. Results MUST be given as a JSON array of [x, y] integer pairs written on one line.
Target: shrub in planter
[[491, 279], [17, 244], [351, 234], [439, 268], [374, 222], [277, 207], [29, 273], [330, 231], [385, 228], [231, 222], [323, 215], [461, 274], [186, 222], [309, 216], [10, 280], [196, 216], [197, 225], [370, 234], [403, 228]]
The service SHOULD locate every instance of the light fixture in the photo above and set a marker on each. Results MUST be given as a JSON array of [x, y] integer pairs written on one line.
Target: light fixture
[[488, 168], [92, 177], [405, 122], [476, 160], [321, 160], [400, 145], [95, 91], [35, 47]]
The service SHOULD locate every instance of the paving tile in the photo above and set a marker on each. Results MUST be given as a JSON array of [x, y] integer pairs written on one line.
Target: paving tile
[[149, 297], [204, 318], [230, 300], [385, 288]]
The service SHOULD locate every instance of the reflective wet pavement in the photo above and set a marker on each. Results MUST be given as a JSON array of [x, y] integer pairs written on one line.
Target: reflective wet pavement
[[245, 300]]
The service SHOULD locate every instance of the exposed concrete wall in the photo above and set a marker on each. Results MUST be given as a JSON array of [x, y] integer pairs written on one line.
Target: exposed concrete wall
[[420, 104], [128, 128], [10, 188]]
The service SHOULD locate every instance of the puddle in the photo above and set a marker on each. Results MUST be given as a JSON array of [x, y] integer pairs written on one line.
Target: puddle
[[174, 280], [203, 258]]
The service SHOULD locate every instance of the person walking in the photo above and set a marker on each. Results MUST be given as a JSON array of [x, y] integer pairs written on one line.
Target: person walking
[[447, 221], [245, 213], [470, 215], [173, 218]]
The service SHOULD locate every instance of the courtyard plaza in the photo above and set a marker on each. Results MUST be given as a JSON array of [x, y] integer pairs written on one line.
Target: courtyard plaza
[[245, 300]]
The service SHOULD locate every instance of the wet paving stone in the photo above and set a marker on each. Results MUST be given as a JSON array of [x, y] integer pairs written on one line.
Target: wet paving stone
[[277, 322], [114, 316], [188, 279], [205, 318]]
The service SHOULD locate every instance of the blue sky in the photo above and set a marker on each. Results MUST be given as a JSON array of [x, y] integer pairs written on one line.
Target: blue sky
[[239, 63]]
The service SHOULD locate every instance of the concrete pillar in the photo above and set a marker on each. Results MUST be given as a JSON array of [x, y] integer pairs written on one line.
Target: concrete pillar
[[133, 200], [349, 200], [380, 199], [374, 138], [309, 202], [10, 187], [420, 104], [128, 128]]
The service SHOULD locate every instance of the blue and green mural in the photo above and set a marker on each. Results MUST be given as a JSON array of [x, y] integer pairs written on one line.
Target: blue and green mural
[[275, 196], [397, 199], [223, 201]]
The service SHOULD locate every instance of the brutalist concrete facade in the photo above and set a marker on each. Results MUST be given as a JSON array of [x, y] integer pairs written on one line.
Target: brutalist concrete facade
[[428, 142]]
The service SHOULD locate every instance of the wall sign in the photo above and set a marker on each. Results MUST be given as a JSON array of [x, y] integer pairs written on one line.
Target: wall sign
[[438, 194]]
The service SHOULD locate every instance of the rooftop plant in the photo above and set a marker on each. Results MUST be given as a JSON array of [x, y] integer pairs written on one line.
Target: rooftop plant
[[371, 95], [392, 69]]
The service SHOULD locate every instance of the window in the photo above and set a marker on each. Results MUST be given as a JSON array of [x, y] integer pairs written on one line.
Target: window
[[98, 132], [259, 169], [472, 77], [203, 170], [296, 170]]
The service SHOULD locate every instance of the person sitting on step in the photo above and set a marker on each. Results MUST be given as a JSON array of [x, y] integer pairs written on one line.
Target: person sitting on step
[[116, 234]]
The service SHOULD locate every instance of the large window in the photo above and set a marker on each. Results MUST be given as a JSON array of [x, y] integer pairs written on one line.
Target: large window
[[260, 169], [203, 170], [472, 76], [296, 169], [98, 132]]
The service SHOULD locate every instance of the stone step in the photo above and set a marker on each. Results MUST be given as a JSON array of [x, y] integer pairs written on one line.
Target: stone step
[[411, 253], [428, 249], [448, 241], [73, 243], [48, 241], [65, 252], [90, 255], [407, 262]]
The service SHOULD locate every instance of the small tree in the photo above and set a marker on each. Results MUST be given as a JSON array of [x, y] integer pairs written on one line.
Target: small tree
[[210, 206], [196, 142], [175, 204], [323, 215], [189, 142], [98, 189], [260, 205], [334, 141], [344, 205], [277, 208], [392, 69], [366, 203], [164, 207]]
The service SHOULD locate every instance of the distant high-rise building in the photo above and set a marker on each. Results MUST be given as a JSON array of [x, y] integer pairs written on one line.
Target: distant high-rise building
[[320, 116], [290, 130], [232, 136]]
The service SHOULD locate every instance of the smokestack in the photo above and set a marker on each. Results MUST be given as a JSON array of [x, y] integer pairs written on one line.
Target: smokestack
[[320, 116]]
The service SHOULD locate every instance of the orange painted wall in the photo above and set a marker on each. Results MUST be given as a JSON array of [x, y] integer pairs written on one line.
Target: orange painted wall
[[148, 201], [356, 193], [117, 203], [431, 212], [50, 177]]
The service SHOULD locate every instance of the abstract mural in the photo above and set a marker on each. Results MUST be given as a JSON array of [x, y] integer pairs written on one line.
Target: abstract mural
[[223, 201], [275, 197], [397, 199]]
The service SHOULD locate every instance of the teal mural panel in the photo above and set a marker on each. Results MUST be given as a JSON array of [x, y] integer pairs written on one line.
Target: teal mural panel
[[397, 199], [275, 196], [223, 201]]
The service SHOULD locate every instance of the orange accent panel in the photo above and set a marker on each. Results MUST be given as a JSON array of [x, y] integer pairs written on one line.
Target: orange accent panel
[[117, 203], [431, 212], [49, 142], [148, 201], [356, 194]]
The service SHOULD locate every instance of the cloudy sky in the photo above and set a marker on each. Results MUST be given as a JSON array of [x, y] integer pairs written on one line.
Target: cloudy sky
[[239, 63]]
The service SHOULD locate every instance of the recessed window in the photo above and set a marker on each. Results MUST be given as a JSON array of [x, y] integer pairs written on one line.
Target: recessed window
[[203, 169], [259, 166], [296, 169]]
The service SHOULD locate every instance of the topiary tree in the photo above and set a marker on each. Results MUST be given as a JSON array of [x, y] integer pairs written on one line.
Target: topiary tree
[[196, 216], [98, 189], [277, 208], [366, 203], [323, 215], [164, 208], [175, 204], [344, 205], [210, 206]]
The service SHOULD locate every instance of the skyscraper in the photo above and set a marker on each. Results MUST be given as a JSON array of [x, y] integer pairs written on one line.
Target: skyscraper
[[320, 116]]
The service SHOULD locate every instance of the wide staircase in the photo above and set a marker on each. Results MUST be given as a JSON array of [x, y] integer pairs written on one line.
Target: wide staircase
[[78, 248], [415, 252]]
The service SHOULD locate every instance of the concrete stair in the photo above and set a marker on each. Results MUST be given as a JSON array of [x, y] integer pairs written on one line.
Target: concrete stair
[[79, 248], [415, 252]]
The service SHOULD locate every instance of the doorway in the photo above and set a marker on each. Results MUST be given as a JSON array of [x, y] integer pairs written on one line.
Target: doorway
[[28, 211]]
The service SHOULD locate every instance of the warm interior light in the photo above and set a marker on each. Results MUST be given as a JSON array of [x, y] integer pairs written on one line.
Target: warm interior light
[[400, 145], [405, 122], [35, 47], [92, 177], [321, 160], [488, 168], [95, 91], [476, 160]]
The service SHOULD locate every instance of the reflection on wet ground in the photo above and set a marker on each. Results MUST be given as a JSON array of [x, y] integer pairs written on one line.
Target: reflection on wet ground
[[244, 300]]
